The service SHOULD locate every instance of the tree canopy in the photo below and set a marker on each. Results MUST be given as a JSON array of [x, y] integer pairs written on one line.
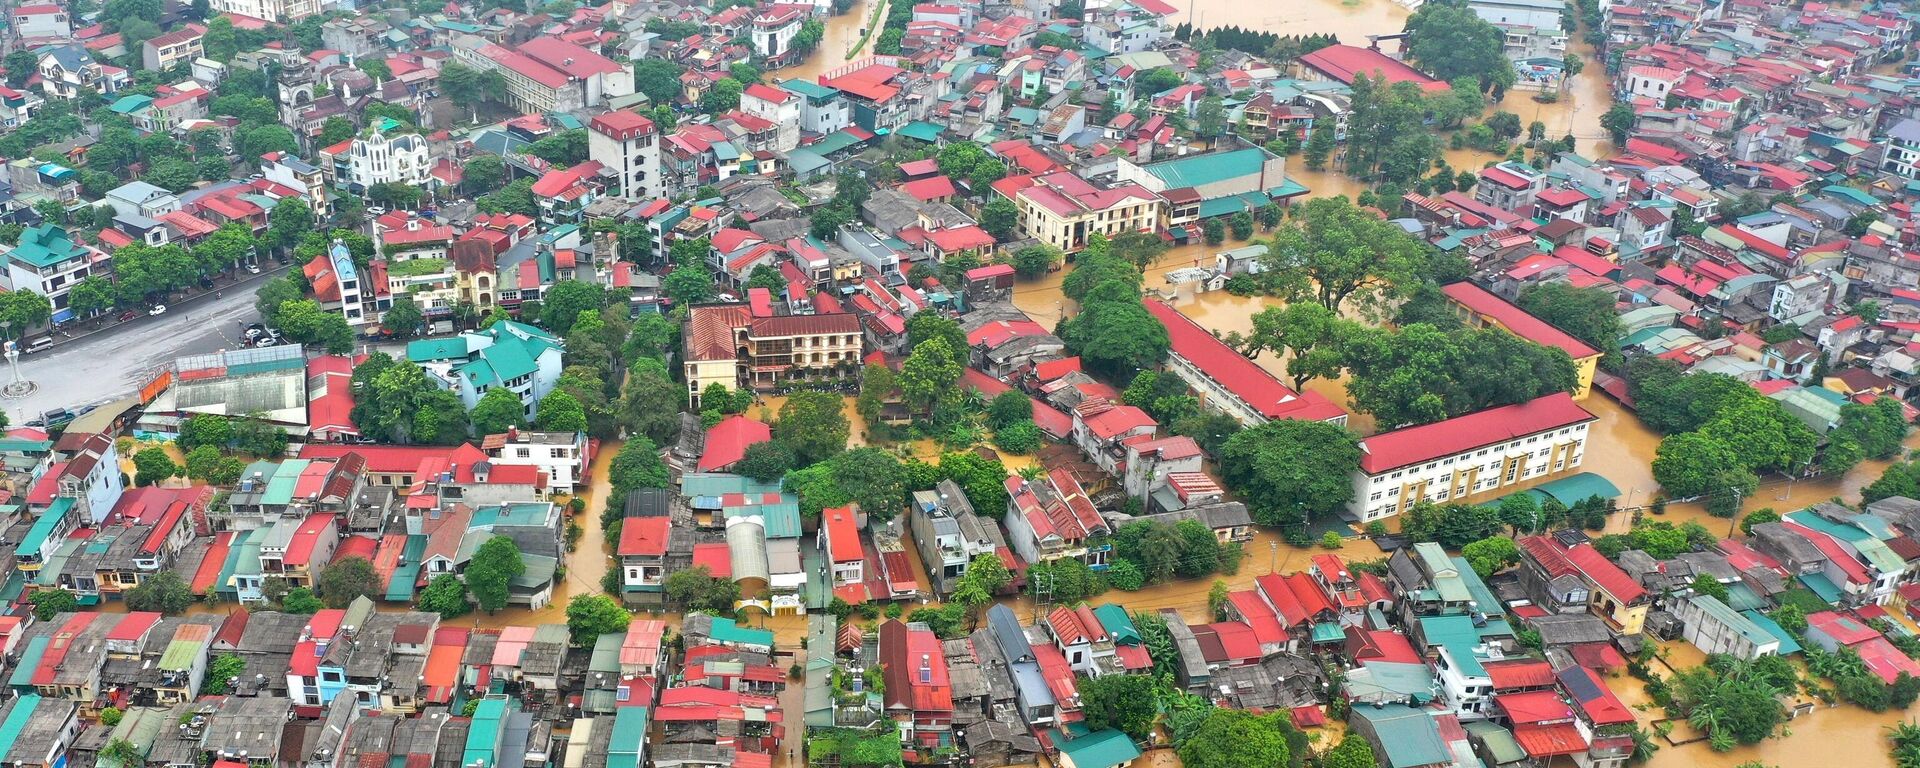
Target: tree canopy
[[1291, 471]]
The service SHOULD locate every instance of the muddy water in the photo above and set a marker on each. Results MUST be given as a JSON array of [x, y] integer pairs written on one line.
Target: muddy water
[[585, 564], [843, 33]]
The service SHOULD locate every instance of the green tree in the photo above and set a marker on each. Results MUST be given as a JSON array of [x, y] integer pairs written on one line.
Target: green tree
[[1308, 335], [491, 571], [1491, 555], [1290, 470], [1880, 428], [986, 575], [1009, 407], [560, 412], [1705, 584], [222, 671], [1034, 260], [874, 479], [723, 96], [1319, 146], [1234, 738], [152, 465], [1695, 464], [348, 579], [813, 425], [1000, 218], [697, 589], [48, 603], [765, 461], [1020, 437], [20, 65], [650, 404], [929, 373], [658, 78], [1126, 703], [302, 601], [1352, 752], [636, 466], [590, 616], [304, 322], [446, 595], [1114, 333], [163, 592], [1619, 121], [403, 319], [1331, 252], [1763, 434], [498, 411], [1587, 314]]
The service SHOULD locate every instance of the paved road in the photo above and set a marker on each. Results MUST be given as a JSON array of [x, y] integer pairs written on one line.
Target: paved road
[[114, 362]]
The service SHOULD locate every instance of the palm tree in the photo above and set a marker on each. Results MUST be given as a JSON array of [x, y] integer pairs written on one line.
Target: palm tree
[[1644, 746]]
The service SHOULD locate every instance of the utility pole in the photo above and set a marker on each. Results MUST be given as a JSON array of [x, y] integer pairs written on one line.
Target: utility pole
[[1042, 592], [1734, 523], [1273, 557]]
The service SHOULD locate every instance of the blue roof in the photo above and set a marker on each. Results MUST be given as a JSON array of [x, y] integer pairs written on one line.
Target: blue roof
[[1788, 645], [342, 261]]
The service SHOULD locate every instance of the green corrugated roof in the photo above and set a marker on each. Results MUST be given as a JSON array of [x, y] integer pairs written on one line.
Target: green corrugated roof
[[727, 630], [1499, 741], [1820, 585], [43, 527], [1209, 168], [280, 487], [180, 655], [1458, 635], [427, 350], [46, 245], [719, 484], [1731, 619], [18, 717], [224, 582], [1232, 204], [484, 731], [49, 575], [922, 130], [1100, 749], [1118, 624], [1874, 551], [1408, 737], [1576, 488], [22, 676], [629, 737], [809, 89], [834, 142], [1850, 193], [18, 445], [1788, 645], [400, 586]]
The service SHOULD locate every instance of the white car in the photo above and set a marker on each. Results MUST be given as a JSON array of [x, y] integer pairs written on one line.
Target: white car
[[158, 309], [253, 269]]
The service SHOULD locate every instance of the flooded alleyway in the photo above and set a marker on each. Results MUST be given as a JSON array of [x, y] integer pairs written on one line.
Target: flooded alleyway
[[843, 33]]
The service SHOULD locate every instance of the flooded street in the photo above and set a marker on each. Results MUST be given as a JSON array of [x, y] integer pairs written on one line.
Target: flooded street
[[836, 46], [585, 564]]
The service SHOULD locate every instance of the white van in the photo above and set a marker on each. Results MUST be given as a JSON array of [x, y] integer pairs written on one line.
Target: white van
[[39, 344]]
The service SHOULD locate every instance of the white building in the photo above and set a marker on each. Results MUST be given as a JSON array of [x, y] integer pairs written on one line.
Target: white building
[[1227, 382], [42, 21], [524, 359], [277, 11], [1451, 460], [774, 29], [348, 278], [562, 455], [777, 106], [629, 144], [378, 158], [1903, 149], [138, 198], [17, 107], [48, 262], [823, 109], [548, 74], [1715, 628]]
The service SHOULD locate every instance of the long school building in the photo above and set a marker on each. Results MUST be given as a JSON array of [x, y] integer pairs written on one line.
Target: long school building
[[1466, 455]]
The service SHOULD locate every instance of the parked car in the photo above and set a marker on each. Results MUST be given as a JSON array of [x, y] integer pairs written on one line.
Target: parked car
[[128, 315], [253, 269], [158, 309]]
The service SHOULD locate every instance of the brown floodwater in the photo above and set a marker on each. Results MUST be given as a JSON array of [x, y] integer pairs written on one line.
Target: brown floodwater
[[836, 45]]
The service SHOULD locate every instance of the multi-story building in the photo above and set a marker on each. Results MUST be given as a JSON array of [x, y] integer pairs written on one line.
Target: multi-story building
[[42, 21], [17, 107], [48, 262], [1063, 210], [561, 455], [1455, 459], [382, 156], [774, 28], [1050, 518], [822, 109], [1228, 382], [1903, 149], [275, 11], [1480, 308], [629, 144], [524, 359], [779, 106], [548, 74], [728, 344], [949, 534], [303, 177], [68, 70], [173, 48]]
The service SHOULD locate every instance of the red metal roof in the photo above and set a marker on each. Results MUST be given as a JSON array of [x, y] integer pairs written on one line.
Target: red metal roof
[[1546, 741], [843, 537], [1604, 574], [1238, 375], [1510, 675], [1535, 707], [1344, 62], [644, 536], [1412, 445], [300, 548], [727, 441], [1515, 320]]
